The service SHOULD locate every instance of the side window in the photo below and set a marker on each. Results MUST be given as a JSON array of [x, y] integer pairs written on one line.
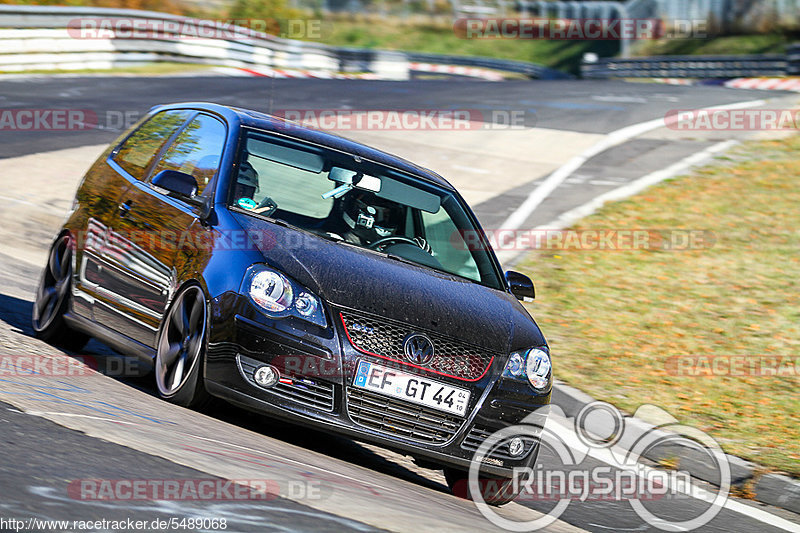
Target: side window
[[197, 150], [138, 151], [448, 244]]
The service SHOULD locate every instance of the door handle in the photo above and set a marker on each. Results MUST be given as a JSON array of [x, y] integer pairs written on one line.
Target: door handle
[[125, 208]]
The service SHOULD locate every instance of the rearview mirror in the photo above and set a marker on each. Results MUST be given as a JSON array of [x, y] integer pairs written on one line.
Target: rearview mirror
[[176, 182], [350, 179], [521, 286]]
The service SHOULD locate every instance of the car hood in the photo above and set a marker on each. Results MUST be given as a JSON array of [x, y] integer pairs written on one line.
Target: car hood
[[351, 277]]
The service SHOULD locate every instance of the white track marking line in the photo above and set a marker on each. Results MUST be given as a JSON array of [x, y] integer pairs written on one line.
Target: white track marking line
[[604, 182], [21, 201], [562, 430], [471, 169], [633, 187], [300, 463], [44, 414], [521, 214], [573, 215]]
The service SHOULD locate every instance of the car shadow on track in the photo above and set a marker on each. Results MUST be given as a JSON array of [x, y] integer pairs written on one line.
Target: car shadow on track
[[16, 312]]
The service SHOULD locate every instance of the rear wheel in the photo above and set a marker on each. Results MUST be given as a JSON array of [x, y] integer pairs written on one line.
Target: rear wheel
[[495, 491], [52, 299], [181, 349]]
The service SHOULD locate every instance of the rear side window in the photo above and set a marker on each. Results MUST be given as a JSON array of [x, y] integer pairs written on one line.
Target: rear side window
[[196, 151], [139, 150]]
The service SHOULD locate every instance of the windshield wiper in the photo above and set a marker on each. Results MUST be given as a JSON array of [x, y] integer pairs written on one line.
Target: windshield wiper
[[407, 261]]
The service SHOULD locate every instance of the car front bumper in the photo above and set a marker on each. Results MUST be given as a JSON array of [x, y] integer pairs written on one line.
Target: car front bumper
[[316, 389]]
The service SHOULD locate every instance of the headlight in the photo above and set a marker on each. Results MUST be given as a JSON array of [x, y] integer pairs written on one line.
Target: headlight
[[516, 365], [538, 368], [272, 291], [533, 365], [274, 294]]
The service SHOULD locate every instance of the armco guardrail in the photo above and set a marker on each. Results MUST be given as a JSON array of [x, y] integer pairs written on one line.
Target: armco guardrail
[[48, 37], [690, 66], [531, 70], [793, 60]]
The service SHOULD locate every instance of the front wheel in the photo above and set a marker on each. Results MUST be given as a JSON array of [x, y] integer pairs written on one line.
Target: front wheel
[[52, 299], [495, 491], [181, 348]]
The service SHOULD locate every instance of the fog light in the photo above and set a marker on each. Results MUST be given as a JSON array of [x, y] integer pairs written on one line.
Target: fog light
[[515, 447], [266, 376]]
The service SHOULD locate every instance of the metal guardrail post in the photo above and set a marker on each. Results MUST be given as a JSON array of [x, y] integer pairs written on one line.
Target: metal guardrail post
[[793, 60]]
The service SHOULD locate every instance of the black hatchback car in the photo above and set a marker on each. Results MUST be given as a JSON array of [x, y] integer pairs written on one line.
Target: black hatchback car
[[304, 276]]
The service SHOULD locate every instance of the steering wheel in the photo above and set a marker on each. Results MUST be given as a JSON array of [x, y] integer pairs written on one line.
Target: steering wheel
[[394, 239]]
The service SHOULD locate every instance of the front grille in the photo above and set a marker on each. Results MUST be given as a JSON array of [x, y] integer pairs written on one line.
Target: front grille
[[400, 418], [309, 392], [477, 435], [385, 338]]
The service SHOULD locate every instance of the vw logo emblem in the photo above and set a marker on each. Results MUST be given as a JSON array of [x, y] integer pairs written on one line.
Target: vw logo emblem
[[418, 349]]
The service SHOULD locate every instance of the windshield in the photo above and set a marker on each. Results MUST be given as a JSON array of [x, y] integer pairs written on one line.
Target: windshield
[[339, 197]]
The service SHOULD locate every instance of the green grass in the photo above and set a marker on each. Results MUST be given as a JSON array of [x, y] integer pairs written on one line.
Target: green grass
[[439, 38], [614, 318], [156, 69]]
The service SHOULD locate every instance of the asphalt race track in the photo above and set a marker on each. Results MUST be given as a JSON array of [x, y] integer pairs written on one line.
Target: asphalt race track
[[55, 432]]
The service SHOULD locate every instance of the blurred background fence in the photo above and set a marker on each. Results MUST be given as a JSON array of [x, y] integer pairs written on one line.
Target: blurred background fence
[[46, 38]]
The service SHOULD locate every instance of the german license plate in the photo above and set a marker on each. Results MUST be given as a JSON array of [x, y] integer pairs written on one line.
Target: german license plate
[[409, 387]]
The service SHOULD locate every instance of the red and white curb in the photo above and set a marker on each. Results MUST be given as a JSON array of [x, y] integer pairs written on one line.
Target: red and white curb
[[770, 84], [674, 81], [266, 72], [472, 72]]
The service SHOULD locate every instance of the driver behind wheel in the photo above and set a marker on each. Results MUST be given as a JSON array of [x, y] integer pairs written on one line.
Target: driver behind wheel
[[369, 218], [246, 182]]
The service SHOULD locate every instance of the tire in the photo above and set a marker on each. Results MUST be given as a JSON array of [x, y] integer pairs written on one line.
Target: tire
[[52, 299], [180, 350], [495, 491]]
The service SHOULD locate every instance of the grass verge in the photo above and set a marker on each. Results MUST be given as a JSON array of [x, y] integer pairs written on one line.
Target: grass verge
[[616, 320], [438, 37], [153, 69]]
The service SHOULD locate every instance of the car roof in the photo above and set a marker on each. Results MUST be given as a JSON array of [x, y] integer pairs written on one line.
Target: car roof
[[265, 121]]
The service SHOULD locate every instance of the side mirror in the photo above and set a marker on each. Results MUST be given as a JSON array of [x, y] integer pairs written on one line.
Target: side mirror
[[521, 286], [176, 182], [183, 185]]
